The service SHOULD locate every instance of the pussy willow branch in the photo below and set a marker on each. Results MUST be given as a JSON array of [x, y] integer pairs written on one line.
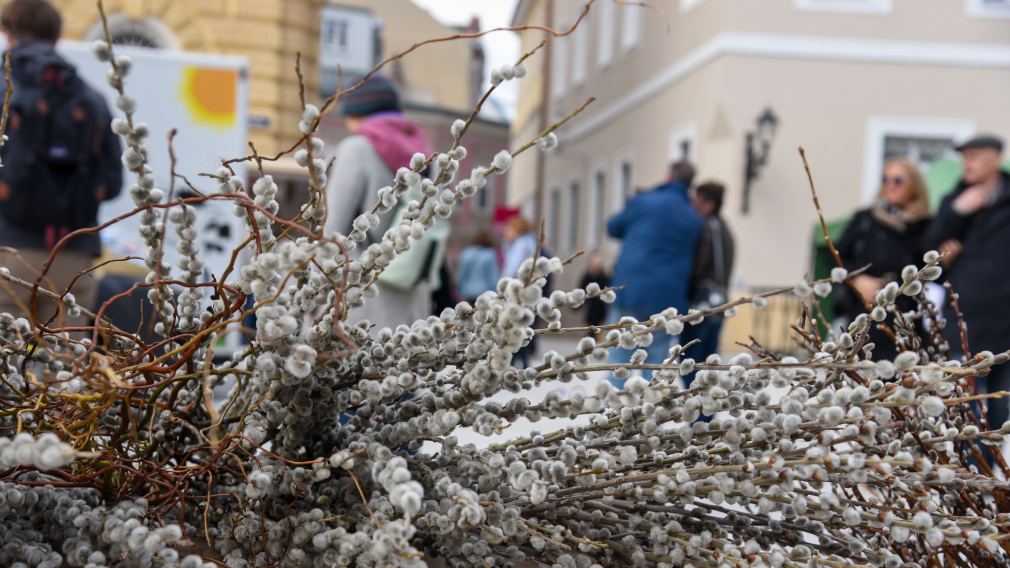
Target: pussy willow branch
[[5, 113]]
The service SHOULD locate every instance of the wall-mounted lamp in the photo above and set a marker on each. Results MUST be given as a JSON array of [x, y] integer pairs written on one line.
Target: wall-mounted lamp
[[758, 145]]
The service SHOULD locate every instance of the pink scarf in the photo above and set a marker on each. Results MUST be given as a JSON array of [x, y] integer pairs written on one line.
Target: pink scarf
[[395, 137]]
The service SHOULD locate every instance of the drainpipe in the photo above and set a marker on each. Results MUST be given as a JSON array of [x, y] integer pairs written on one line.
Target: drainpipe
[[545, 91]]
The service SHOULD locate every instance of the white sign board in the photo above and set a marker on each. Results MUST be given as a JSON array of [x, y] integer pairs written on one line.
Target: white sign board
[[205, 98]]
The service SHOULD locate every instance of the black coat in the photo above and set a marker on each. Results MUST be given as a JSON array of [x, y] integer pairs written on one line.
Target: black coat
[[596, 309], [887, 249], [981, 273]]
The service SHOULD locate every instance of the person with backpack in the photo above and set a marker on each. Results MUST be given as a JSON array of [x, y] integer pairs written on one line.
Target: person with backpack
[[381, 141], [60, 161]]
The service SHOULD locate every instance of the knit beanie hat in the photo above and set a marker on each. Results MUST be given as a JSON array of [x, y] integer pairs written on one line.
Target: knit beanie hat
[[376, 94]]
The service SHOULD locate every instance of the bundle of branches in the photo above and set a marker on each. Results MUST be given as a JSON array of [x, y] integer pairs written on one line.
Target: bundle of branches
[[113, 451]]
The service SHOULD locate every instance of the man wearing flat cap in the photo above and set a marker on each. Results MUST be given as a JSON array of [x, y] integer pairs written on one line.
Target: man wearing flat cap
[[972, 227]]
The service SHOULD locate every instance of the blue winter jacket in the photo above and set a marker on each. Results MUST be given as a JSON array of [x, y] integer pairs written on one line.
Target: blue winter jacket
[[478, 271], [659, 230]]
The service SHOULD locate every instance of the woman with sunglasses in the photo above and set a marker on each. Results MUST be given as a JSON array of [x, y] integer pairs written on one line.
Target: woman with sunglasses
[[885, 236]]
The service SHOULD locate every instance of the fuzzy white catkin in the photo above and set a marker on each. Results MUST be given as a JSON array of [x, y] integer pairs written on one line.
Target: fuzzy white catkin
[[932, 406], [802, 290], [502, 161], [822, 289], [839, 274], [100, 49], [905, 360], [44, 452], [548, 142]]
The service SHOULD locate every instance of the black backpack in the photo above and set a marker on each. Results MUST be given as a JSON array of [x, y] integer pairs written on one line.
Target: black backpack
[[50, 179]]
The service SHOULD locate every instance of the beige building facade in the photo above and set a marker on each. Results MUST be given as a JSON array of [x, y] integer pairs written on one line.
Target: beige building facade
[[852, 81]]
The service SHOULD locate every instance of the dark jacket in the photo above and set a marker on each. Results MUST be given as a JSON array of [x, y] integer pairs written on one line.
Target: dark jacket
[[596, 309], [981, 273], [659, 230], [713, 262], [29, 62], [871, 239]]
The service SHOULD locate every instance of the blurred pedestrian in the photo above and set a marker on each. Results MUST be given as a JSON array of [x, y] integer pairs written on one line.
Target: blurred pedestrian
[[445, 295], [478, 267], [596, 273], [659, 230], [381, 141], [521, 244], [60, 162], [713, 264], [973, 225], [887, 236]]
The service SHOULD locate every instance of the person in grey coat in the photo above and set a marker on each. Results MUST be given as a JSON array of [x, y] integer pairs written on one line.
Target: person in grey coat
[[382, 140]]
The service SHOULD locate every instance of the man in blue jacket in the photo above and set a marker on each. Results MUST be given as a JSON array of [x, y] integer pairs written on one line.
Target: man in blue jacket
[[660, 230]]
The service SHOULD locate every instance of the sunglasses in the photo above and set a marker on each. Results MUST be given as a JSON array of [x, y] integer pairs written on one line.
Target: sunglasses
[[896, 180]]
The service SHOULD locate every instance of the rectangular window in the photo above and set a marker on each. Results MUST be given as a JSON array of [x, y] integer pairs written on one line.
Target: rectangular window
[[348, 45], [631, 26], [574, 215], [923, 140], [347, 39], [605, 15], [580, 53], [988, 8], [597, 209], [627, 179], [851, 6], [554, 217], [483, 199], [683, 143], [559, 66]]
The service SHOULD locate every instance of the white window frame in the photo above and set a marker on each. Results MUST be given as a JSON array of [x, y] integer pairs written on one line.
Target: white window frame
[[488, 192], [979, 9], [606, 15], [688, 5], [553, 213], [580, 54], [687, 131], [573, 228], [597, 208], [559, 66], [529, 206], [619, 197], [632, 18], [846, 6], [879, 127]]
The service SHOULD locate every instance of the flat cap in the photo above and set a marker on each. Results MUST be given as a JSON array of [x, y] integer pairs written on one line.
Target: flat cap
[[981, 141]]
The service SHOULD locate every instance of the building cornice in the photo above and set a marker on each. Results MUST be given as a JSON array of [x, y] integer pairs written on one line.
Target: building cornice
[[841, 49]]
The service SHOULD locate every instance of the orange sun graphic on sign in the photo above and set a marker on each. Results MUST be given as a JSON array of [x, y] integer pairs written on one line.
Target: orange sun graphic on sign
[[210, 95]]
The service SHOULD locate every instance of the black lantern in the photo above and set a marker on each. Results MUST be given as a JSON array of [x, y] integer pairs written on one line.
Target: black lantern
[[758, 145]]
